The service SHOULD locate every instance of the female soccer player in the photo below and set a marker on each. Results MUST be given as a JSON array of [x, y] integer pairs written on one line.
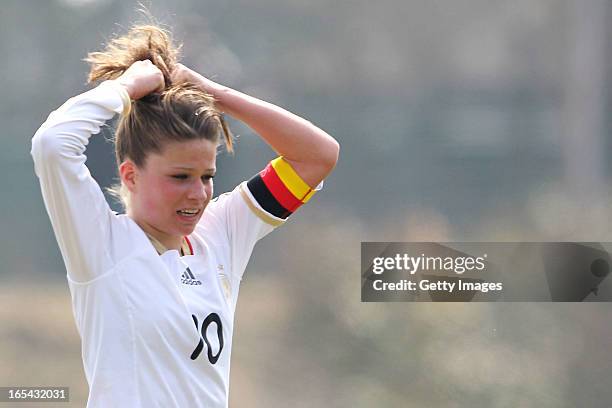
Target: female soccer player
[[154, 290]]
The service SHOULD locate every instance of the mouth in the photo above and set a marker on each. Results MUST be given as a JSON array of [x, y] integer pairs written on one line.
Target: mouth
[[189, 213]]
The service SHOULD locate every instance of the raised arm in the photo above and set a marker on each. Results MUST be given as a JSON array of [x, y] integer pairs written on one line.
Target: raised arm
[[309, 150], [75, 203], [76, 206]]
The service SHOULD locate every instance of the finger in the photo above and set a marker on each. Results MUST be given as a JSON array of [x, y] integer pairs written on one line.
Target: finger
[[174, 77], [162, 84]]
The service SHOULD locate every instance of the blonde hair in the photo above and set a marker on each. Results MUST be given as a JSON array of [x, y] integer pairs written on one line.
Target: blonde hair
[[180, 112]]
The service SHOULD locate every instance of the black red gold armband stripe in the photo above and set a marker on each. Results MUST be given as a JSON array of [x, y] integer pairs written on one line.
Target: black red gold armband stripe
[[278, 189]]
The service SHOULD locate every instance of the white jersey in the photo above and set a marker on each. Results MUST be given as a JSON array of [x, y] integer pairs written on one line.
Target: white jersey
[[156, 329]]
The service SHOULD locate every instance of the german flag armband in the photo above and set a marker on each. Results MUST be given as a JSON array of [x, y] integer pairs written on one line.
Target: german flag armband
[[278, 190]]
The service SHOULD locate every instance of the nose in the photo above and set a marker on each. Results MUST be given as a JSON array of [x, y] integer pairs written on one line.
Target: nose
[[197, 192]]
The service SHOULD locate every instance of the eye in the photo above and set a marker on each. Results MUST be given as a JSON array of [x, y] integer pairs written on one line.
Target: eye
[[180, 176], [208, 177]]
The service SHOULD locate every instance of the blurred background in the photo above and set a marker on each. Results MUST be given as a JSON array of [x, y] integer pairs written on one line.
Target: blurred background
[[459, 120]]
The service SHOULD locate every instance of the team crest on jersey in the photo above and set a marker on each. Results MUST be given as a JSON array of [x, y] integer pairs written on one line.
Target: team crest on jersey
[[188, 278]]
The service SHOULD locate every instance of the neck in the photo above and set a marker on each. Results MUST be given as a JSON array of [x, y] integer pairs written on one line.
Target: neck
[[159, 246], [160, 240]]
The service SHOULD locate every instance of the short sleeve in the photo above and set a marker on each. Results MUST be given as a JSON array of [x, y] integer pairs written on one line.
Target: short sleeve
[[256, 207]]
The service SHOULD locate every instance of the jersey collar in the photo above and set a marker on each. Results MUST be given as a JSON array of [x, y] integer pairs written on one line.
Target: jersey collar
[[186, 248]]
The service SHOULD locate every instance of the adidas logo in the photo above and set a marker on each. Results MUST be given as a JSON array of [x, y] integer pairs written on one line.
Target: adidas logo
[[188, 278]]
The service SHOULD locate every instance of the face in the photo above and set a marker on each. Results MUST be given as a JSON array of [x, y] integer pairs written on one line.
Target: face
[[169, 194]]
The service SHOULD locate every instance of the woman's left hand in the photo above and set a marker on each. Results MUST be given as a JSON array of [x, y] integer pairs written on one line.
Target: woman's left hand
[[181, 74]]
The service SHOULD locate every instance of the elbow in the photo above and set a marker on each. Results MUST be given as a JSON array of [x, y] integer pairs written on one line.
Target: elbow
[[40, 145], [330, 156], [45, 146]]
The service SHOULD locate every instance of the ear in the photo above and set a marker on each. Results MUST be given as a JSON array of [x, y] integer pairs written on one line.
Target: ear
[[128, 172]]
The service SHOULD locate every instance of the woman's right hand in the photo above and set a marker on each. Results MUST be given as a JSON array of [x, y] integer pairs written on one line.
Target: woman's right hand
[[142, 78]]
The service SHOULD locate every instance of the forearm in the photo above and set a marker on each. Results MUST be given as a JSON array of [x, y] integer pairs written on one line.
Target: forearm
[[62, 139], [311, 151]]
